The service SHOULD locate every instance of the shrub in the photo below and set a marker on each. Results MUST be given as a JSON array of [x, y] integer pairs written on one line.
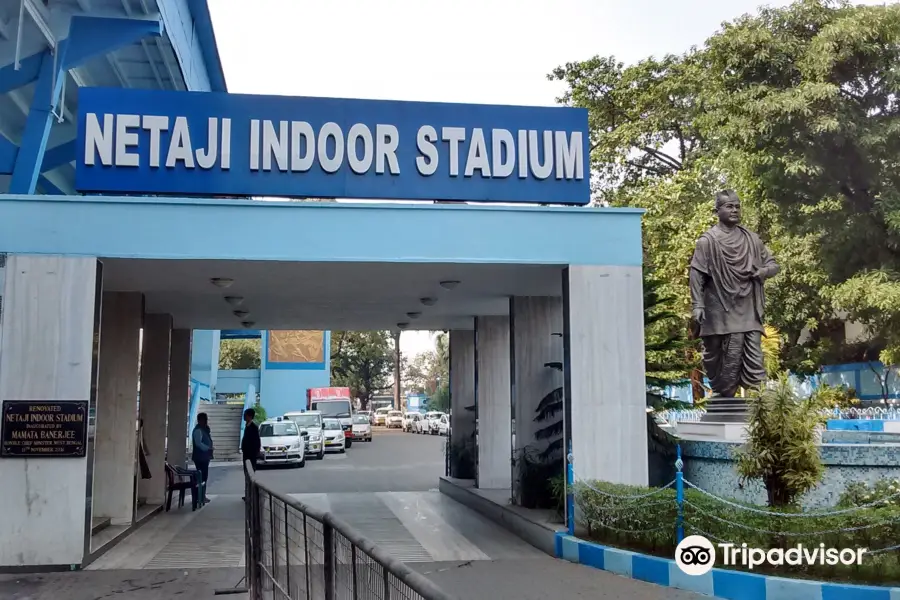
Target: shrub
[[648, 525], [781, 443], [885, 492], [835, 396], [259, 413]]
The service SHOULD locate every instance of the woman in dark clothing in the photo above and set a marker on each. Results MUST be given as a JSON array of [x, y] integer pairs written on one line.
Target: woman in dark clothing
[[202, 452]]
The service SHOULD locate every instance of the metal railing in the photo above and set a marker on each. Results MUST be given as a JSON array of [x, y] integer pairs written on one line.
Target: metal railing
[[297, 552]]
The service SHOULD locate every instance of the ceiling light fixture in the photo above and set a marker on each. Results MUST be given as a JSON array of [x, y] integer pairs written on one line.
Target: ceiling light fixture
[[234, 300], [240, 314], [449, 284], [402, 325], [427, 301], [222, 282], [248, 324], [413, 315]]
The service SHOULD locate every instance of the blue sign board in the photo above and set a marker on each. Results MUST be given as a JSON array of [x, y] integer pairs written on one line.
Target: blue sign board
[[193, 143]]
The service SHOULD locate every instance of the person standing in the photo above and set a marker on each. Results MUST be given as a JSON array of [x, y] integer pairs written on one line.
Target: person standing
[[202, 453], [250, 443]]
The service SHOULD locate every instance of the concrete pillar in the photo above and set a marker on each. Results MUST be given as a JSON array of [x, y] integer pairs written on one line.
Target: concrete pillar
[[536, 327], [155, 356], [605, 379], [115, 441], [462, 397], [179, 396], [493, 401], [49, 317]]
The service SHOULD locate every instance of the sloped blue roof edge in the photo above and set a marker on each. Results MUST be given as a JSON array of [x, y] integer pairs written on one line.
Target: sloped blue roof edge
[[206, 35]]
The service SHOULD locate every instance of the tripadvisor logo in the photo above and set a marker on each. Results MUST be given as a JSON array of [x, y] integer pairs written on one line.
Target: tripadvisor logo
[[696, 555]]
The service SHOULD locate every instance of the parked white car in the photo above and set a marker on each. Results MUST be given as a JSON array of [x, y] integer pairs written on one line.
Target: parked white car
[[381, 416], [420, 425], [409, 421], [431, 422], [281, 443], [394, 419], [444, 425], [362, 429], [310, 425], [334, 436]]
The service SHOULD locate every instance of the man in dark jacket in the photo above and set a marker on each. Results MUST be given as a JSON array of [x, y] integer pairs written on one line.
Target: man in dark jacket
[[250, 444], [202, 453]]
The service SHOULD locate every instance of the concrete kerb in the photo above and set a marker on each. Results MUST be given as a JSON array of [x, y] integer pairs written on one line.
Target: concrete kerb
[[721, 583]]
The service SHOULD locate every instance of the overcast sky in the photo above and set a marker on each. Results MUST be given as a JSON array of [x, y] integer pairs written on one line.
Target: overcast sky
[[477, 51]]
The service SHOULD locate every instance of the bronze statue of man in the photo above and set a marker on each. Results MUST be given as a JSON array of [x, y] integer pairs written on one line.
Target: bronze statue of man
[[729, 266]]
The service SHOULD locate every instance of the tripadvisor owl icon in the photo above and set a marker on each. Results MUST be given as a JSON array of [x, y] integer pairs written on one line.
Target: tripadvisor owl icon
[[695, 555]]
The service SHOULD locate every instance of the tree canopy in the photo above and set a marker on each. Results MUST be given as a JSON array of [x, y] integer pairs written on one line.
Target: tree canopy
[[362, 361], [797, 109], [240, 354], [429, 373]]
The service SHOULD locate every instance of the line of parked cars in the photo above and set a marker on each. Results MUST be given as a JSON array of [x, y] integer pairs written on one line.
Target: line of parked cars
[[288, 440], [432, 422], [388, 417]]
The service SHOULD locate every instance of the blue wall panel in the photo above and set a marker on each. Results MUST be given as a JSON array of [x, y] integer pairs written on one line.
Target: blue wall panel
[[283, 388]]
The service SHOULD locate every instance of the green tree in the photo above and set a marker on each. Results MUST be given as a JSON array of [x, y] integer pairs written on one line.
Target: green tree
[[240, 354], [641, 117], [429, 370], [669, 354], [362, 361], [805, 108], [794, 107], [440, 399]]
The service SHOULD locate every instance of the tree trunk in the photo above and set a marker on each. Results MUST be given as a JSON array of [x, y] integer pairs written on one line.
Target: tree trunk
[[397, 382]]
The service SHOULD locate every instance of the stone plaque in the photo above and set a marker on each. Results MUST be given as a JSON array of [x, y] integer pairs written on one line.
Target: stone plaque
[[44, 429]]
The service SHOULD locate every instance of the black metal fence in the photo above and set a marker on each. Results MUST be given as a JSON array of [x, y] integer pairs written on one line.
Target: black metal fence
[[296, 552]]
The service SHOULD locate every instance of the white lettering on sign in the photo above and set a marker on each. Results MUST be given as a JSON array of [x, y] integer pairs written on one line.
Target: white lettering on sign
[[98, 142], [296, 146]]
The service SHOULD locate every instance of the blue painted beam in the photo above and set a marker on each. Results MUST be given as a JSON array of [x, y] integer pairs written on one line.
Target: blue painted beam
[[53, 157], [37, 126], [240, 334], [206, 35], [50, 189], [8, 152], [29, 69], [93, 36], [58, 156], [88, 37]]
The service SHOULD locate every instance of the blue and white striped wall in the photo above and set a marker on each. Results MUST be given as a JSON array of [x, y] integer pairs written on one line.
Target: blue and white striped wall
[[720, 583]]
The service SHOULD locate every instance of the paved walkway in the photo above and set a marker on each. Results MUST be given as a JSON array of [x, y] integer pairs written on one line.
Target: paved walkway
[[168, 584], [410, 526], [468, 555]]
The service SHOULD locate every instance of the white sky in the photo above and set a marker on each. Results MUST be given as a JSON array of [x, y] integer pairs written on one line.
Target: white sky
[[475, 51]]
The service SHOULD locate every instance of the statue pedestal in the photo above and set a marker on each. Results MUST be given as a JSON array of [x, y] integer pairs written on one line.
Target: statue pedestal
[[725, 419], [725, 410], [697, 430]]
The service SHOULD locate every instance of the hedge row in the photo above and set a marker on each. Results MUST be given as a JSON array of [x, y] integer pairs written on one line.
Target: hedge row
[[648, 525]]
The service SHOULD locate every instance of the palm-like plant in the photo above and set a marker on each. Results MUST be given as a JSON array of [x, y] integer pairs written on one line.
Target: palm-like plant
[[781, 446]]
